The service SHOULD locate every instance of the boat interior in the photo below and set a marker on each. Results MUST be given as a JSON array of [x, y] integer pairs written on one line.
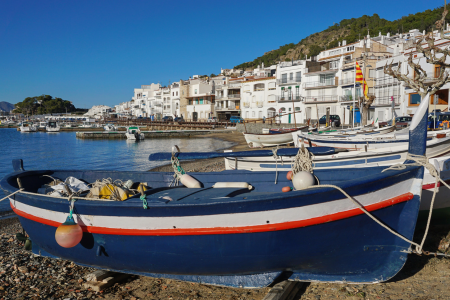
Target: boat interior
[[263, 183]]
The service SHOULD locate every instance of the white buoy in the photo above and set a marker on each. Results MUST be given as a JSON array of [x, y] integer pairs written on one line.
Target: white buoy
[[189, 181], [302, 180]]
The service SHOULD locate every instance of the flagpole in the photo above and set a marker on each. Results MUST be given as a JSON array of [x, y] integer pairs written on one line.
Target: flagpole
[[354, 94]]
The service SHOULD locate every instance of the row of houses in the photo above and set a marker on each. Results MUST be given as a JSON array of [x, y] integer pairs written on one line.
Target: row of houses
[[298, 90]]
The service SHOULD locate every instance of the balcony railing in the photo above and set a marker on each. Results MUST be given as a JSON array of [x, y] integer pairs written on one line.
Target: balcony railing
[[316, 84], [234, 85], [259, 104], [289, 98], [234, 96], [386, 100], [157, 97], [328, 98], [246, 104], [226, 108], [346, 81], [386, 80], [288, 81]]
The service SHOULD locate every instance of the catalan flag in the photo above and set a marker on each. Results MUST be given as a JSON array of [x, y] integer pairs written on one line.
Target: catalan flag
[[360, 79]]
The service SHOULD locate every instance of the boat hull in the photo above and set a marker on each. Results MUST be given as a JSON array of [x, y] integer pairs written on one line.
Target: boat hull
[[236, 241], [271, 139]]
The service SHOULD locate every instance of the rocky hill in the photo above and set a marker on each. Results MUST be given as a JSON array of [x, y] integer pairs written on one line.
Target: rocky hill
[[6, 106], [350, 30]]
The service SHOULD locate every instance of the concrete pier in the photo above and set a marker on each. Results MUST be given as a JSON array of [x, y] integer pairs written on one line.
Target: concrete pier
[[148, 134]]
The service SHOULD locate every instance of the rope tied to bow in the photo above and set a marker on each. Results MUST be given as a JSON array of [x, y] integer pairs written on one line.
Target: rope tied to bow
[[177, 169], [303, 161]]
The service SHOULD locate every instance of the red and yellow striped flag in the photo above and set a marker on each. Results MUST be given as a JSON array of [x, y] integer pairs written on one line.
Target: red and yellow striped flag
[[360, 79]]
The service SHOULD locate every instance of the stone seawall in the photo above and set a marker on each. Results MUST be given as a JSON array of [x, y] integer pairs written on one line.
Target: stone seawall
[[148, 134], [258, 127]]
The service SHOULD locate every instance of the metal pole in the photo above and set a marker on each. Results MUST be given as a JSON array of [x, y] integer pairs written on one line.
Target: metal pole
[[354, 93], [434, 100]]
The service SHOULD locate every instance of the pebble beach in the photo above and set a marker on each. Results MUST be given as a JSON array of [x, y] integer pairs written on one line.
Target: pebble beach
[[27, 276]]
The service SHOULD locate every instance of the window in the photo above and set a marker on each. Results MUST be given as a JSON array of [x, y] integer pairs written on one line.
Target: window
[[284, 78], [173, 94], [298, 77], [414, 99], [195, 91], [291, 76], [334, 64], [371, 73], [297, 92], [437, 71]]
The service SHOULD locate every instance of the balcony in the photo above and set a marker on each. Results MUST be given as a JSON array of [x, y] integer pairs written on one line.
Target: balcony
[[386, 101], [289, 81], [246, 104], [157, 97], [323, 68], [259, 104], [234, 96], [226, 108], [234, 85], [289, 98], [320, 84], [347, 81], [386, 80], [328, 98]]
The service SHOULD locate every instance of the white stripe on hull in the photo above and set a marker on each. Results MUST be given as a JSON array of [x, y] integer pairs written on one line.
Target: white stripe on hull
[[229, 220]]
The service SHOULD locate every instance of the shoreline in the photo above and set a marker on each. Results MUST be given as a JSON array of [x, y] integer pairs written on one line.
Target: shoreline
[[210, 164]]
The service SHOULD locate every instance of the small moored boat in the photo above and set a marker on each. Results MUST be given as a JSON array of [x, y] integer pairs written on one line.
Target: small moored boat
[[134, 133], [52, 126]]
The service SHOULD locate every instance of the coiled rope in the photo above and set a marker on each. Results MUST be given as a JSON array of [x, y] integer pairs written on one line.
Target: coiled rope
[[303, 161]]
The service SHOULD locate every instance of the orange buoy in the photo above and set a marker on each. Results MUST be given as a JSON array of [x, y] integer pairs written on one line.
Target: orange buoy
[[69, 233], [289, 175], [286, 189]]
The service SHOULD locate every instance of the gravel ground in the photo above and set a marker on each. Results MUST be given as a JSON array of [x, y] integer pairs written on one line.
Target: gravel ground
[[26, 276]]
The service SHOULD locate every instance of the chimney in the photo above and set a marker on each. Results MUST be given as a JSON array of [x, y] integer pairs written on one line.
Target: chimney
[[423, 33], [388, 34], [379, 33], [339, 44], [344, 42]]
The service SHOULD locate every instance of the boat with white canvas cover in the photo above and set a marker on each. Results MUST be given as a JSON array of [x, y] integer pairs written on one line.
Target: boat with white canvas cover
[[255, 140]]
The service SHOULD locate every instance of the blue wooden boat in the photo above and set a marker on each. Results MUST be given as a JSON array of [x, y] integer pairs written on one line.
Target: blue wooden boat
[[235, 236]]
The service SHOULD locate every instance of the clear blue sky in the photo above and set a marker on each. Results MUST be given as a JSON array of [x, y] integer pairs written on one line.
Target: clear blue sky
[[96, 52]]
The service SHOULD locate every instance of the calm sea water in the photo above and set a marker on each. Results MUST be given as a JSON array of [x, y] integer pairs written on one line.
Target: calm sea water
[[41, 150]]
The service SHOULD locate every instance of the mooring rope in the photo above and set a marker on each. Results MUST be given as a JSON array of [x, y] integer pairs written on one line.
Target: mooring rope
[[418, 161], [177, 169], [275, 156], [18, 191]]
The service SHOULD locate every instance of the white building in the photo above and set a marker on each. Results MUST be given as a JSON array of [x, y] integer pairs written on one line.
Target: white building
[[98, 111]]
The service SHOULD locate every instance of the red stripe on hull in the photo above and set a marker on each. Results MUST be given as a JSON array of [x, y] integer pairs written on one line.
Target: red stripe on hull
[[228, 230], [431, 185]]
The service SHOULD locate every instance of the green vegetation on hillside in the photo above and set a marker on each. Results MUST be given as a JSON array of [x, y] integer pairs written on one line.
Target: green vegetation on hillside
[[44, 104], [351, 30]]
